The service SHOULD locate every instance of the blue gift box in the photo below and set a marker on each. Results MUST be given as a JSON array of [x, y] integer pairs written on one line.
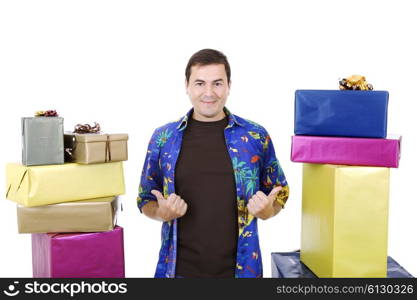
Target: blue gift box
[[341, 113], [288, 265]]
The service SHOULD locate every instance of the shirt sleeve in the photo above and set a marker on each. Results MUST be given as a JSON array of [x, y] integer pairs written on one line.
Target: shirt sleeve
[[151, 177], [271, 173]]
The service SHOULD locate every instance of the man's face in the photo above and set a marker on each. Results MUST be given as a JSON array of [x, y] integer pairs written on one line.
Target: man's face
[[208, 90]]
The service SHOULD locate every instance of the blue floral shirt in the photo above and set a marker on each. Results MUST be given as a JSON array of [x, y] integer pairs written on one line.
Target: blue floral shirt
[[255, 167]]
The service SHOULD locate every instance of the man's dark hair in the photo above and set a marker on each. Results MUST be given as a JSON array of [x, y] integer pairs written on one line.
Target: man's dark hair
[[207, 57]]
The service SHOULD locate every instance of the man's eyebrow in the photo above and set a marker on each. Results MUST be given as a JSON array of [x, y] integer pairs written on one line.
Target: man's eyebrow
[[216, 80]]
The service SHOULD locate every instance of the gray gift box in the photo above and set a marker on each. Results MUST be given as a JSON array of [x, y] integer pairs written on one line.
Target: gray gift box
[[42, 141]]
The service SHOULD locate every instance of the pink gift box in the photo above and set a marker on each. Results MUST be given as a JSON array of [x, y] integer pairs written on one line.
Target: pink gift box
[[79, 255], [375, 152]]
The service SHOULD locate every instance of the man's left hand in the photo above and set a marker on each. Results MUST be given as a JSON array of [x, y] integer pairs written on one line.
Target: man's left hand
[[263, 206]]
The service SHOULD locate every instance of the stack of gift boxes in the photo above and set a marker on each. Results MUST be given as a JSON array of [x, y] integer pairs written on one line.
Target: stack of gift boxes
[[69, 205], [340, 136]]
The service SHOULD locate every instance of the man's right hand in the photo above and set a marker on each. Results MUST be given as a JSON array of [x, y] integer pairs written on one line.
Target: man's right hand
[[171, 208]]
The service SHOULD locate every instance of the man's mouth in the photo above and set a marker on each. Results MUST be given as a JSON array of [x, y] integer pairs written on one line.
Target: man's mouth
[[209, 102]]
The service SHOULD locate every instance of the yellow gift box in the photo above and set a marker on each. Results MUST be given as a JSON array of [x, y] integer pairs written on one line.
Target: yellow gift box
[[345, 220], [50, 184]]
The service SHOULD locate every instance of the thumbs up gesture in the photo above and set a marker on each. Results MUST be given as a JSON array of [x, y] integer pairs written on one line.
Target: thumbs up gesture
[[171, 208], [263, 206]]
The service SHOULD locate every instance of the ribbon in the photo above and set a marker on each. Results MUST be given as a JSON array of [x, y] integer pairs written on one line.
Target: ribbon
[[355, 82], [107, 150], [47, 113], [87, 128]]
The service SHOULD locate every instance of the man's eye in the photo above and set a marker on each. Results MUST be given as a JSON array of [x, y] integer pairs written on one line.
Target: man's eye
[[199, 83], [218, 84]]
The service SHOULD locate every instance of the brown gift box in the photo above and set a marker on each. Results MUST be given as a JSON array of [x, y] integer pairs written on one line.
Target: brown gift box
[[90, 148], [92, 215]]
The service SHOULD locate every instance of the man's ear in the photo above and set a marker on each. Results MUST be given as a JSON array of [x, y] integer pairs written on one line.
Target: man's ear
[[186, 86], [230, 85]]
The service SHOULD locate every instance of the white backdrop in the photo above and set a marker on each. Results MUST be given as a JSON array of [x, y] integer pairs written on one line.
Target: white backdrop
[[122, 63]]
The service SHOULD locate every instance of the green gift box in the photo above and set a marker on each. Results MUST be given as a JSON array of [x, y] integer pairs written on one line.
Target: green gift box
[[42, 141]]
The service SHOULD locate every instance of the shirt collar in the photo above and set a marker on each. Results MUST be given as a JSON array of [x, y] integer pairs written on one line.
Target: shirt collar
[[182, 124]]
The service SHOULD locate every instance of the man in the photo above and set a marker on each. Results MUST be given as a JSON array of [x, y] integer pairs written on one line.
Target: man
[[209, 176]]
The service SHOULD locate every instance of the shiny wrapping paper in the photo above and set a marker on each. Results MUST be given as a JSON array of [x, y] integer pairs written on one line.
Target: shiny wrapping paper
[[346, 151], [96, 148], [93, 215], [288, 265], [43, 185], [341, 113], [78, 255], [42, 141], [345, 220]]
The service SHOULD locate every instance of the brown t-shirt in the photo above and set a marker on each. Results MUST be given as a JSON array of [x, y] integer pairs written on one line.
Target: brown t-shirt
[[204, 178]]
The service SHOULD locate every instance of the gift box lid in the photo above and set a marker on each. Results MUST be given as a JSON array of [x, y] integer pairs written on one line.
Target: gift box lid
[[83, 235], [42, 118], [98, 137]]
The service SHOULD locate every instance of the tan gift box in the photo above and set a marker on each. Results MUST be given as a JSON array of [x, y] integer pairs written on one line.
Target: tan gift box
[[92, 215], [90, 148]]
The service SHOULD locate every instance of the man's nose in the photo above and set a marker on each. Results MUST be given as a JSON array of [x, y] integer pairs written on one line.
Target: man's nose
[[209, 90]]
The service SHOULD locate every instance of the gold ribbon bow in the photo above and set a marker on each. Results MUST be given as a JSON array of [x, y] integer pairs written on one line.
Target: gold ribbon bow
[[355, 82]]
